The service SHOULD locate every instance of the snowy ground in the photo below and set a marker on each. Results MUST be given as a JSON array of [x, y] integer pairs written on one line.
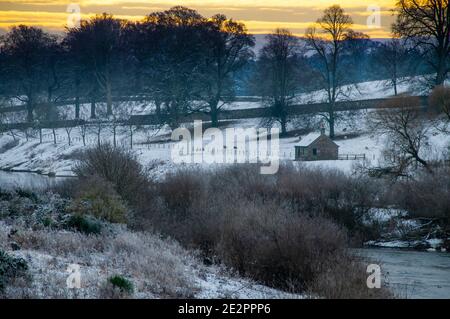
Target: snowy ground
[[154, 147], [398, 230], [157, 268]]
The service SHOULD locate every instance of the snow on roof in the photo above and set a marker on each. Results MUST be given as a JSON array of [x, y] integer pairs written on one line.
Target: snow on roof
[[308, 139]]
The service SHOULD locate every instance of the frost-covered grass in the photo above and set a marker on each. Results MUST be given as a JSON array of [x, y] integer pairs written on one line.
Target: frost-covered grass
[[157, 267]]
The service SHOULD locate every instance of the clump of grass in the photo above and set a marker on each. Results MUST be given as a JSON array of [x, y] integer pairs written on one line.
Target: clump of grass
[[27, 194], [84, 224], [97, 197], [11, 268], [117, 287], [121, 283]]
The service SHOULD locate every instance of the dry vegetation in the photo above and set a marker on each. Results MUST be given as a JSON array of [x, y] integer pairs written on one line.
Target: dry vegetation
[[290, 231], [158, 268]]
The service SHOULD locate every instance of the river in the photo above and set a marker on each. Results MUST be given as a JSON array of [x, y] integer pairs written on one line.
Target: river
[[34, 181], [413, 274]]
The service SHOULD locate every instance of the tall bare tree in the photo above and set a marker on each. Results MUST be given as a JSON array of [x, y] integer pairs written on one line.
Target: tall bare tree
[[277, 77], [228, 50], [327, 40], [427, 24], [406, 129], [393, 62]]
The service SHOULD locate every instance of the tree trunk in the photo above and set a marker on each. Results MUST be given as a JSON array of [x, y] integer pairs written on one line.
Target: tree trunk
[[331, 124], [68, 137], [440, 76], [114, 136], [158, 108], [214, 115], [77, 107], [77, 99], [93, 109], [54, 136], [108, 99], [131, 136], [283, 123], [30, 108], [83, 135]]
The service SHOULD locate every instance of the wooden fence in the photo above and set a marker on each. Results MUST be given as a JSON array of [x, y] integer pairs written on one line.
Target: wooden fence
[[351, 157]]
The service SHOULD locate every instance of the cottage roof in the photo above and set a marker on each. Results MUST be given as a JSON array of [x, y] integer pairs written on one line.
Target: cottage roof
[[308, 139]]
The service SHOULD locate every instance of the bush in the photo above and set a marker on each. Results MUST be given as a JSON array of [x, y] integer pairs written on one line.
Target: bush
[[117, 166], [11, 268], [346, 279], [123, 284], [179, 192], [97, 197], [439, 100], [276, 247], [27, 194], [84, 224], [283, 230], [117, 287], [330, 193], [426, 196]]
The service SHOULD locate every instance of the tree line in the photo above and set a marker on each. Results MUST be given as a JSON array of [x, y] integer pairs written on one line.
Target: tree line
[[184, 63]]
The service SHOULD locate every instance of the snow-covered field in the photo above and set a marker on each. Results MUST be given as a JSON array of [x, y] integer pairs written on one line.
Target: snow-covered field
[[153, 146]]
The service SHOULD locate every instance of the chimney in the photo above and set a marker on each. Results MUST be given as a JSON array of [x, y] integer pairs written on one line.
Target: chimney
[[322, 128]]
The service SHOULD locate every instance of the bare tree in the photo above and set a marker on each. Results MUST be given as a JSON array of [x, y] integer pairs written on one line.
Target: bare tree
[[64, 115], [228, 49], [83, 128], [277, 75], [328, 43], [406, 128], [125, 113], [439, 104], [427, 24], [392, 60]]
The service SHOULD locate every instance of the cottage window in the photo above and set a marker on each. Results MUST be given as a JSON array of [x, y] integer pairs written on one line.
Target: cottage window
[[315, 151]]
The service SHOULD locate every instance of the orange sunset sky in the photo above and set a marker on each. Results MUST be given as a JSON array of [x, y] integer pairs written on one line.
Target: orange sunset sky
[[260, 16]]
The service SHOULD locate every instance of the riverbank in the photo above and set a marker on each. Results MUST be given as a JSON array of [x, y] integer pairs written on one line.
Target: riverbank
[[41, 237], [396, 228]]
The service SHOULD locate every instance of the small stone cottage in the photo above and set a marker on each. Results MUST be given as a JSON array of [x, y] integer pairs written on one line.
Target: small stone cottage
[[316, 147]]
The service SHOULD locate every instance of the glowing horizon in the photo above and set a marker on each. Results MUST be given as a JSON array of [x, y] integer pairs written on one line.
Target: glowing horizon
[[260, 16]]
